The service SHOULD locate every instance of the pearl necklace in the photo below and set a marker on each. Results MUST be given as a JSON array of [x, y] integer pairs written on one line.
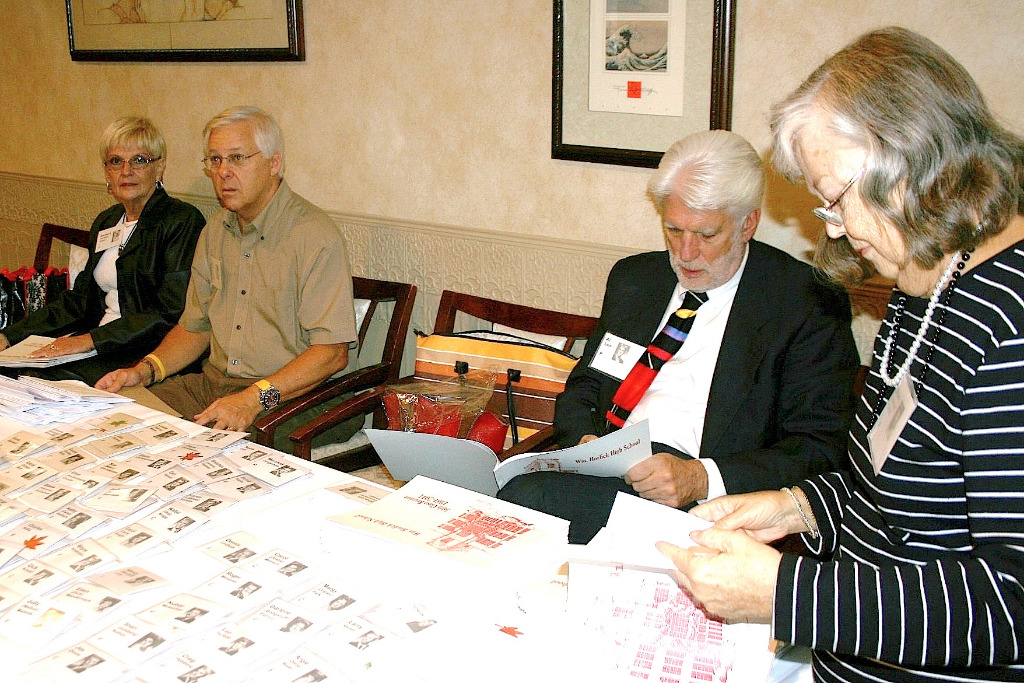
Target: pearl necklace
[[892, 381]]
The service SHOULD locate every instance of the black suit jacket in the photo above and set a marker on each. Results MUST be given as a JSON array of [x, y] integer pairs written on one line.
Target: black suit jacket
[[780, 401], [152, 276]]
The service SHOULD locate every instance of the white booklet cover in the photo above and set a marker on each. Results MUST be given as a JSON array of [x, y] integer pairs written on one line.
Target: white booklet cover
[[464, 525], [474, 466]]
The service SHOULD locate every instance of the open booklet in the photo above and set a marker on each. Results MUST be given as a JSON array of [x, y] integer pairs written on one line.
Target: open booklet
[[19, 355], [473, 466]]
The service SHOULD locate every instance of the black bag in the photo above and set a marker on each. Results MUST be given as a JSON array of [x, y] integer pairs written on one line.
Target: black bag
[[12, 306], [25, 291], [42, 288]]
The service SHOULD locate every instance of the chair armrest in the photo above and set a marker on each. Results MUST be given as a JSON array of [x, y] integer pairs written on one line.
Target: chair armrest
[[542, 440], [361, 404], [265, 426]]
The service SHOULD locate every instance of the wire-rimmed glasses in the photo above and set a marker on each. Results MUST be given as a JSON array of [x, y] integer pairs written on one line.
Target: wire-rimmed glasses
[[137, 162], [827, 213], [234, 161]]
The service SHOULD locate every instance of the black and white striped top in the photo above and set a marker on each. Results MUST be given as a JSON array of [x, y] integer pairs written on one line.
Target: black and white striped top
[[927, 557]]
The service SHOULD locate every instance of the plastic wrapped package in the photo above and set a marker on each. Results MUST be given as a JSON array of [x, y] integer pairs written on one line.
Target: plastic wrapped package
[[453, 407]]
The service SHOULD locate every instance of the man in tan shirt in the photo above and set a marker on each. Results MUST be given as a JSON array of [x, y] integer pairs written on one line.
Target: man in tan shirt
[[270, 294]]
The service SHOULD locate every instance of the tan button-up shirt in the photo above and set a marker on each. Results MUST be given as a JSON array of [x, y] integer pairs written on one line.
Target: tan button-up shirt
[[271, 291]]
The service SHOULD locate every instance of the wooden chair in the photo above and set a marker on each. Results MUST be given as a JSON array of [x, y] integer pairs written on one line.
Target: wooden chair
[[376, 292], [533, 412], [524, 318], [50, 232]]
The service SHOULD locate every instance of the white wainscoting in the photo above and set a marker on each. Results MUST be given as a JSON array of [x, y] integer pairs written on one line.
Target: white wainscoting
[[543, 272], [535, 271]]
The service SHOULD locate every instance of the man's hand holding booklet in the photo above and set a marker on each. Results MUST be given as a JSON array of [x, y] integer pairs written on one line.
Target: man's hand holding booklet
[[473, 466]]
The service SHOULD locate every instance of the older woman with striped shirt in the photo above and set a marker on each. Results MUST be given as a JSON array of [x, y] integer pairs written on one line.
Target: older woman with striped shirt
[[915, 562]]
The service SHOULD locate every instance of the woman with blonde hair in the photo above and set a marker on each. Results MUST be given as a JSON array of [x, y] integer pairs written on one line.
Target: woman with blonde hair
[[132, 289]]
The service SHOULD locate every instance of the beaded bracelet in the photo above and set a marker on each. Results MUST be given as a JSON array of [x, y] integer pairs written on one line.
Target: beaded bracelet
[[157, 366], [152, 370], [811, 528]]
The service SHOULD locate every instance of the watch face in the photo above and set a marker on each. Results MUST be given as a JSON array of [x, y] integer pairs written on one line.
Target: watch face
[[269, 398]]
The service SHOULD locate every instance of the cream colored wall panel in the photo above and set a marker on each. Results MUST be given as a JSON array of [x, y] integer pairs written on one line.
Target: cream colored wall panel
[[546, 273], [530, 270], [439, 112], [17, 243], [424, 129]]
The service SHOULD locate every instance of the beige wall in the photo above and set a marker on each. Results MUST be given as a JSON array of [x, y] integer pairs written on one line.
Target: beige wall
[[432, 118], [439, 110]]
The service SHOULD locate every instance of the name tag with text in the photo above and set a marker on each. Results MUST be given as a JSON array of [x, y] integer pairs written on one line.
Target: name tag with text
[[111, 237], [616, 356]]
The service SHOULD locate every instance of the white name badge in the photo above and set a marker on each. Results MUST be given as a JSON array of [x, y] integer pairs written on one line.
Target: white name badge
[[216, 277], [616, 356], [111, 237], [891, 422]]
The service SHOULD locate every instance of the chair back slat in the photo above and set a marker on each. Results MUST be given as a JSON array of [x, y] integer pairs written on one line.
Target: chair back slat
[[403, 297], [535, 408], [527, 318], [52, 231]]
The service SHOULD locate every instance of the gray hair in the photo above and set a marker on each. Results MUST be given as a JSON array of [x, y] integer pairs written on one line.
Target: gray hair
[[266, 131], [714, 170], [931, 143], [133, 129]]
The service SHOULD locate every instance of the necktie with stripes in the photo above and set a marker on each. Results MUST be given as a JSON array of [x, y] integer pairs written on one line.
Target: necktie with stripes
[[665, 345]]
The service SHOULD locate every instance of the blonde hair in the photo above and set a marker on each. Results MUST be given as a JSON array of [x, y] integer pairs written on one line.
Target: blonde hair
[[129, 130]]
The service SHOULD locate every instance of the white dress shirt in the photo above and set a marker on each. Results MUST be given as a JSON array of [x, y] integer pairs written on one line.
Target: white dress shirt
[[677, 399]]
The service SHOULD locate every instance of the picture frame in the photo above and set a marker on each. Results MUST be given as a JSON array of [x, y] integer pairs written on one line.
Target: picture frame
[[185, 31], [637, 139]]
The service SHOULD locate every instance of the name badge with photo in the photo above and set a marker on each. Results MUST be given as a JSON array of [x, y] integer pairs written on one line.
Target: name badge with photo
[[616, 356], [111, 237], [216, 277], [891, 422]]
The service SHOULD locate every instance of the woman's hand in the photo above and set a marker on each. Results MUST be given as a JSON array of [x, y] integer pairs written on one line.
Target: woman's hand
[[764, 516], [729, 574], [4, 344], [65, 346]]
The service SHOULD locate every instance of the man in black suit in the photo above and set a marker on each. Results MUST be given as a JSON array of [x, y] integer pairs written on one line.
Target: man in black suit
[[759, 395]]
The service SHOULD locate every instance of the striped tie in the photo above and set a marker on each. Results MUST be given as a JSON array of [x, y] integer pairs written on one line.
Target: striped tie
[[664, 346]]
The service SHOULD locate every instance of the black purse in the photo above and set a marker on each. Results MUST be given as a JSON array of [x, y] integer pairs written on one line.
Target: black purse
[[12, 304]]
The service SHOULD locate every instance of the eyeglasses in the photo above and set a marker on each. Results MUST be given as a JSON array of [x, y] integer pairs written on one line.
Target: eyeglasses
[[827, 212], [234, 161], [137, 162]]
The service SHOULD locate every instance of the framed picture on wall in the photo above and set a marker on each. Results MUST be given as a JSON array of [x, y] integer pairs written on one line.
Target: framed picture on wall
[[185, 30], [630, 77]]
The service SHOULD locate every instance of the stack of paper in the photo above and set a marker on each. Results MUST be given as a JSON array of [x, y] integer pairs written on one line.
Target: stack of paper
[[38, 402], [20, 355], [638, 623]]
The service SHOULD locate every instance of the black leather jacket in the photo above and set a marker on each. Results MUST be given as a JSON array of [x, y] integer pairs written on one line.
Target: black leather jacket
[[152, 276]]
